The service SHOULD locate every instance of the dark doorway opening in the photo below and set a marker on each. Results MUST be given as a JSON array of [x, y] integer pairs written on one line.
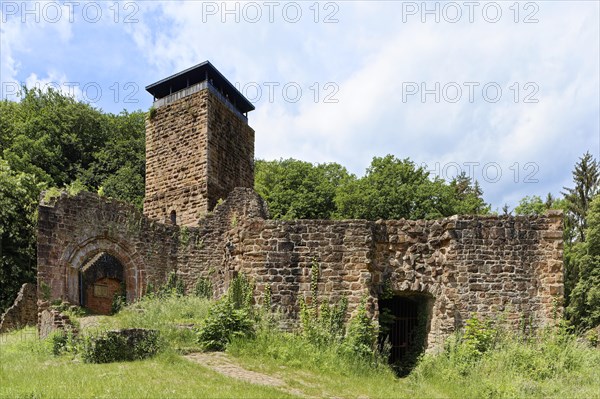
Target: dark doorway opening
[[404, 321], [101, 283]]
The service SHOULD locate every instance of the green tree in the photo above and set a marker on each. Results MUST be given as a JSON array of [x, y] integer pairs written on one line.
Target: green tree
[[583, 309], [586, 177], [297, 189], [119, 165], [18, 198], [534, 205], [50, 135], [393, 189], [48, 139]]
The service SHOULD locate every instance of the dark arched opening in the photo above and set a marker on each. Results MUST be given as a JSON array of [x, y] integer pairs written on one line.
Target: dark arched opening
[[173, 217], [101, 283], [404, 321]]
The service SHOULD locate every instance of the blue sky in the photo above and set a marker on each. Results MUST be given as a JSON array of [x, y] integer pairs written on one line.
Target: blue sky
[[506, 91]]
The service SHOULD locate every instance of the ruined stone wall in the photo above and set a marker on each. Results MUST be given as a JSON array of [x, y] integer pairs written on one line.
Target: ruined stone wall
[[74, 229], [197, 151], [281, 254], [23, 311], [490, 266], [466, 265], [486, 266]]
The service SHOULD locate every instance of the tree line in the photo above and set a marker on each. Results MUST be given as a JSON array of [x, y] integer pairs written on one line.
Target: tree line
[[51, 140]]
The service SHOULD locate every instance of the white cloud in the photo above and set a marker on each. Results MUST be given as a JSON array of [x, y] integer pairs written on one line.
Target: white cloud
[[369, 54], [23, 26]]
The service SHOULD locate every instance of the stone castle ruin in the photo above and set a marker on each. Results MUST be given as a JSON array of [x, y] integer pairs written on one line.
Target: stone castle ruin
[[202, 219]]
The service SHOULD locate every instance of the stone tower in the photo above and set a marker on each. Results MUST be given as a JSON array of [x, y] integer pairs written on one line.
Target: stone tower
[[199, 146]]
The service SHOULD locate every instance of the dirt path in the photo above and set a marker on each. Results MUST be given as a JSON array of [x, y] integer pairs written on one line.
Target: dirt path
[[88, 322], [222, 364]]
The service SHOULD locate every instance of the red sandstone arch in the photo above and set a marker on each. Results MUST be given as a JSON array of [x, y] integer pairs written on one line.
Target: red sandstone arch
[[76, 255]]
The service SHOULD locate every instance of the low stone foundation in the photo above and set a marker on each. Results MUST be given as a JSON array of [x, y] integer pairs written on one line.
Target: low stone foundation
[[50, 320]]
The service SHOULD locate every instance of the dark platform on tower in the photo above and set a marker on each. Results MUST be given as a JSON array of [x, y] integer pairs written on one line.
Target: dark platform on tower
[[202, 72]]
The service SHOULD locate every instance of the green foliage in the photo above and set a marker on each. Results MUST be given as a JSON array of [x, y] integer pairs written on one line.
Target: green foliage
[[362, 334], [184, 236], [530, 205], [46, 291], [119, 300], [267, 298], [114, 346], [173, 286], [322, 325], [299, 190], [292, 354], [173, 315], [231, 316], [19, 192], [395, 189], [51, 194], [240, 292], [586, 177], [126, 184], [583, 274], [479, 336], [466, 348], [223, 323], [61, 342], [549, 364], [203, 288], [152, 113]]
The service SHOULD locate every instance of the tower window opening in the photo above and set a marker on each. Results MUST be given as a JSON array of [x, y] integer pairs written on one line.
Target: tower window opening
[[173, 217]]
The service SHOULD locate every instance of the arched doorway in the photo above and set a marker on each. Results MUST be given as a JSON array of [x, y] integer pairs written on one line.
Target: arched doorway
[[404, 319], [101, 279]]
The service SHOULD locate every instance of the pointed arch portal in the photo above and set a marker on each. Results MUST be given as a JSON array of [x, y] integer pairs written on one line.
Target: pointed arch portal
[[101, 279]]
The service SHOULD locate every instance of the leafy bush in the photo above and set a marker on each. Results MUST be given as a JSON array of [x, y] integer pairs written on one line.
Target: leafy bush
[[62, 342], [362, 334], [119, 300], [173, 285], [229, 317], [464, 349], [121, 345], [325, 324], [479, 336], [223, 323]]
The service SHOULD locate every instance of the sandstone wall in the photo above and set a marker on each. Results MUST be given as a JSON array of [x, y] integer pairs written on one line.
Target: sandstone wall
[[281, 254], [176, 160], [230, 151], [197, 151], [74, 229], [464, 265], [23, 311]]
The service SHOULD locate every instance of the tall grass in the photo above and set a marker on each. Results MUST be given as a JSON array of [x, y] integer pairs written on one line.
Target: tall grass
[[483, 362], [320, 371], [551, 364], [173, 315]]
